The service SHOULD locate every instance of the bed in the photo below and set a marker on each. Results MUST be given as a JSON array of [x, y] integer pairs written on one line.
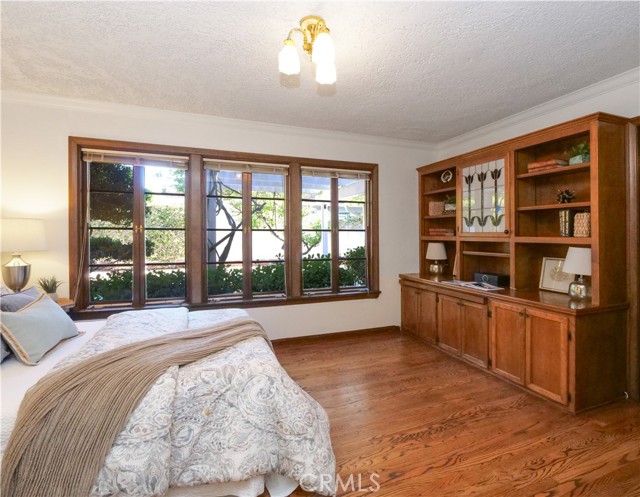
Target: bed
[[248, 412]]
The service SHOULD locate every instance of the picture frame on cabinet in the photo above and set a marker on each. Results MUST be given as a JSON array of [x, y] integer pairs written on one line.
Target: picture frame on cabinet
[[552, 277]]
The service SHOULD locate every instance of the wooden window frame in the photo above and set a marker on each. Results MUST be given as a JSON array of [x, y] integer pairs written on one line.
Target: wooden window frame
[[196, 291]]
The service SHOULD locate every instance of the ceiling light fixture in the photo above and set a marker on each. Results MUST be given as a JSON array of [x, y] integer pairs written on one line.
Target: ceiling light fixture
[[317, 43]]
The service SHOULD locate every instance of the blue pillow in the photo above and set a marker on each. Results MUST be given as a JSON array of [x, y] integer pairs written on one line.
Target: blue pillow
[[13, 302], [36, 328], [4, 349]]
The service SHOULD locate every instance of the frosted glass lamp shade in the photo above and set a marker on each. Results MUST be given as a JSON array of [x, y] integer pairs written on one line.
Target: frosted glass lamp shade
[[436, 252], [326, 73], [288, 60], [578, 261], [323, 51], [23, 235]]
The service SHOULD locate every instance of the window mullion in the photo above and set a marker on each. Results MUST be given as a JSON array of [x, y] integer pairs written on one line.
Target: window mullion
[[293, 232], [138, 238], [195, 266], [335, 242], [247, 205]]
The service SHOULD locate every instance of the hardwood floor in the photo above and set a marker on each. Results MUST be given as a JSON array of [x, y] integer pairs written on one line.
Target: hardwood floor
[[430, 425]]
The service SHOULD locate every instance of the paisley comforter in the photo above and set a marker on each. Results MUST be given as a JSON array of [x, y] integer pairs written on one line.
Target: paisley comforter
[[229, 417]]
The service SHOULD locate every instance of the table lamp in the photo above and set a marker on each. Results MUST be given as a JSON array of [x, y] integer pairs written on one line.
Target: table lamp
[[578, 261], [437, 254], [20, 235]]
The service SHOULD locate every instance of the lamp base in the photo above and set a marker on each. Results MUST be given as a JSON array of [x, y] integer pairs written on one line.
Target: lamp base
[[579, 289], [16, 272], [436, 269]]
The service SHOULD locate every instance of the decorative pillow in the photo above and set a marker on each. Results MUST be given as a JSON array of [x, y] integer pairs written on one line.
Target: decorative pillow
[[13, 302], [36, 328]]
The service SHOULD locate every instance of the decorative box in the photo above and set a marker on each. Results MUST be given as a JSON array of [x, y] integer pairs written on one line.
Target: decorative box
[[436, 208], [582, 225], [501, 280]]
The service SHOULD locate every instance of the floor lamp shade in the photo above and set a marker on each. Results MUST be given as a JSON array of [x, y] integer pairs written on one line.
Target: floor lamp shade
[[17, 236]]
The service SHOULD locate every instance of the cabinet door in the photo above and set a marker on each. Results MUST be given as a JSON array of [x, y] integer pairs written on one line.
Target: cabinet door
[[475, 338], [427, 327], [409, 309], [508, 341], [449, 324], [548, 354]]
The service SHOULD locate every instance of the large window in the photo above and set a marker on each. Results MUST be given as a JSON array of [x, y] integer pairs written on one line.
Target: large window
[[167, 225]]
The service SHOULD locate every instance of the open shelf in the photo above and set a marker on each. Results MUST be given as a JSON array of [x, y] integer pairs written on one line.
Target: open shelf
[[556, 171], [438, 238], [561, 240], [485, 254], [573, 205], [441, 216], [441, 190]]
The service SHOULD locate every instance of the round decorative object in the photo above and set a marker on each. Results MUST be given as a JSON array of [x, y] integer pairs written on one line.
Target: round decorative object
[[446, 176]]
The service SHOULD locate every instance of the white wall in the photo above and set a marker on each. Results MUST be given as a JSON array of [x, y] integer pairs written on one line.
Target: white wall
[[619, 95], [35, 162], [35, 131]]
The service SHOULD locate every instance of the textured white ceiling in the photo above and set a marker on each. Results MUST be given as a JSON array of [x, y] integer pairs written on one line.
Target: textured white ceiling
[[423, 71]]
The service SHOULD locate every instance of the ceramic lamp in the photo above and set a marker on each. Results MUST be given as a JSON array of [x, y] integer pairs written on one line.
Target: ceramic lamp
[[437, 254], [578, 262], [20, 235]]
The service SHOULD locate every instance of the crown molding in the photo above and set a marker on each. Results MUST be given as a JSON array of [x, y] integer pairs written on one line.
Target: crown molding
[[609, 85], [134, 111]]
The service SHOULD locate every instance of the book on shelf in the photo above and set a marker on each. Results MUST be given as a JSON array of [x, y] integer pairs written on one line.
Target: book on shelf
[[545, 164]]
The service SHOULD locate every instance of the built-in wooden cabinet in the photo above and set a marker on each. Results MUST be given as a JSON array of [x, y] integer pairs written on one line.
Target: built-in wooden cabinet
[[506, 220], [508, 345], [463, 328]]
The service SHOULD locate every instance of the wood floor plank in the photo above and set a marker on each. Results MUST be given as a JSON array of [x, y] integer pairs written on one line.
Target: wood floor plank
[[428, 425]]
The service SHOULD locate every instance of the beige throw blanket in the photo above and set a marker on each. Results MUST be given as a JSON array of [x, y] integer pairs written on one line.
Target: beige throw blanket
[[68, 421]]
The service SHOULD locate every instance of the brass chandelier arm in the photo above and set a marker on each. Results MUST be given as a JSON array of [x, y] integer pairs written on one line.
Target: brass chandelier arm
[[310, 27]]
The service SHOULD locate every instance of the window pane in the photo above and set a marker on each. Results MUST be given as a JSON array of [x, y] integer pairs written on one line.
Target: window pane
[[267, 185], [110, 246], [224, 183], [111, 209], [110, 177], [110, 284], [314, 187], [224, 213], [351, 216], [165, 245], [165, 282], [352, 189], [351, 241], [267, 214], [268, 277], [316, 273], [267, 245], [224, 246], [159, 179], [224, 279], [315, 243], [316, 215], [353, 272], [164, 211]]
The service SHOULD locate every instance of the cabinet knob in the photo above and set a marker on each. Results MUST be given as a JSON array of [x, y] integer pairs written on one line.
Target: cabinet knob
[[521, 313], [506, 232]]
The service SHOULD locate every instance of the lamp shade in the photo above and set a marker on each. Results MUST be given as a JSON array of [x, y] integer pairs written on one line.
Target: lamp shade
[[578, 261], [323, 51], [326, 73], [22, 235], [436, 252], [288, 60]]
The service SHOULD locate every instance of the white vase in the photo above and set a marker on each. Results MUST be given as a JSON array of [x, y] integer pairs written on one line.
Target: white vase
[[53, 296]]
